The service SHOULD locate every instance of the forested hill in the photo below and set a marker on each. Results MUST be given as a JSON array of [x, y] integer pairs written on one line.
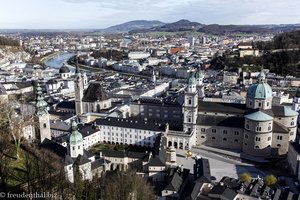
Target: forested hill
[[4, 41], [281, 56], [288, 41]]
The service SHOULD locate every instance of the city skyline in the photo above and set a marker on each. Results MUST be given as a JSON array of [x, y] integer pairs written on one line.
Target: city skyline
[[93, 14]]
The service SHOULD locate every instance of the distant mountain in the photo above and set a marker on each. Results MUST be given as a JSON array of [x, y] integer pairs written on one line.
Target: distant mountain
[[181, 25], [132, 25], [186, 25]]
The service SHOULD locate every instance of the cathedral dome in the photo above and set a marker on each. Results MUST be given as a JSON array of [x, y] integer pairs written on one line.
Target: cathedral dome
[[75, 137], [262, 90], [64, 69]]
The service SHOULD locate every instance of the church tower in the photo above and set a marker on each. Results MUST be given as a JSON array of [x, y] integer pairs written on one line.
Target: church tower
[[75, 142], [190, 106], [42, 115], [79, 86], [199, 83]]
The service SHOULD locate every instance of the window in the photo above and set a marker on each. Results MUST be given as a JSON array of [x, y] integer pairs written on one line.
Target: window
[[292, 123], [269, 128], [257, 139], [246, 136], [190, 101], [202, 129], [291, 133], [224, 139], [189, 119], [224, 131], [245, 144], [256, 147], [45, 125], [213, 130], [73, 148], [278, 145], [236, 133], [269, 138], [202, 136], [213, 138], [247, 126], [259, 104], [268, 104], [279, 137], [235, 140], [258, 128]]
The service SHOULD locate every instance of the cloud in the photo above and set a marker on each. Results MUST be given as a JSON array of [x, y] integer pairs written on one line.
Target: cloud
[[104, 13]]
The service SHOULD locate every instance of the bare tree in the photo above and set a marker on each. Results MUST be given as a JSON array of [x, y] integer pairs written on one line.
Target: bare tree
[[16, 121], [127, 185]]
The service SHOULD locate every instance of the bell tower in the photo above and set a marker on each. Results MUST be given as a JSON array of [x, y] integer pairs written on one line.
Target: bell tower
[[42, 115], [190, 106], [79, 86]]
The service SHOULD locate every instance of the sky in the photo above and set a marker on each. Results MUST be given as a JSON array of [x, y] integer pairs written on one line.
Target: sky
[[75, 14]]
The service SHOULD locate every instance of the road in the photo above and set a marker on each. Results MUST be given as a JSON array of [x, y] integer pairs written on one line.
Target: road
[[220, 165]]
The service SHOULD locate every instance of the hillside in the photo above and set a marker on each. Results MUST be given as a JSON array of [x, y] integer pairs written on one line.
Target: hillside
[[181, 25], [131, 25], [288, 40], [229, 29], [4, 41], [281, 56]]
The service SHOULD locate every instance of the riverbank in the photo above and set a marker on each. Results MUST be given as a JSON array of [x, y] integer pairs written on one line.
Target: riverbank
[[57, 59]]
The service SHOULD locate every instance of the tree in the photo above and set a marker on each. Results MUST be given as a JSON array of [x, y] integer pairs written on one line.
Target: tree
[[5, 159], [271, 180], [16, 122], [246, 177], [126, 185]]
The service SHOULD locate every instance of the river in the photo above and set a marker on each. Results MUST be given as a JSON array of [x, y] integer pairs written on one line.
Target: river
[[57, 61]]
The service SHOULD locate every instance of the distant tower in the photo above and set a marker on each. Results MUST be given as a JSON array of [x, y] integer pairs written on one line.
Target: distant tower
[[190, 106], [199, 83], [75, 142], [191, 41], [42, 115], [154, 76], [79, 86]]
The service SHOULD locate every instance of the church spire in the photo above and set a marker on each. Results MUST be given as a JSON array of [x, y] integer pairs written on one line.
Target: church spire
[[77, 71], [41, 104]]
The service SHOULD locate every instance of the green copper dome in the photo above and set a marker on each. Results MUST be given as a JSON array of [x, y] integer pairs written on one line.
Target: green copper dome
[[259, 116], [261, 90], [199, 74], [192, 80], [75, 137], [41, 104]]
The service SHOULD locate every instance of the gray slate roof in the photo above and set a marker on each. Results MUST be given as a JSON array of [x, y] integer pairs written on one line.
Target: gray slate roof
[[94, 92]]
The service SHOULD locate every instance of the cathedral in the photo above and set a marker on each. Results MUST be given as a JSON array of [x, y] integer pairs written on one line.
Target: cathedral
[[256, 128]]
